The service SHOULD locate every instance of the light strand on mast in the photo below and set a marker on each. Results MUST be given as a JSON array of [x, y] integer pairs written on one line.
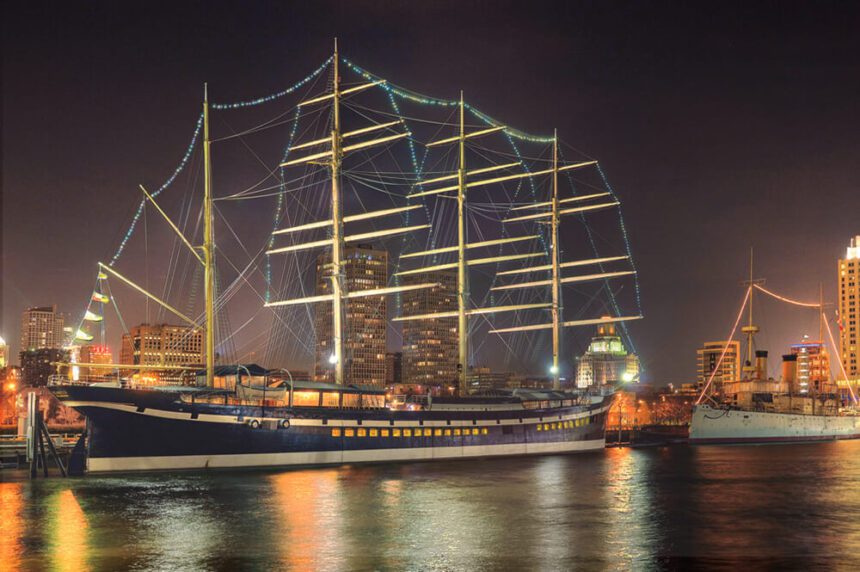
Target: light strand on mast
[[726, 347]]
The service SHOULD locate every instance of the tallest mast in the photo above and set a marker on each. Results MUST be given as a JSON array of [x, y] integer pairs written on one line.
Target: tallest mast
[[462, 275], [337, 282], [208, 247], [556, 271]]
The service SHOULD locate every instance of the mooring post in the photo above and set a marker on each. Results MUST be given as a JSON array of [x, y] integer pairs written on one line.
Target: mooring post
[[32, 455]]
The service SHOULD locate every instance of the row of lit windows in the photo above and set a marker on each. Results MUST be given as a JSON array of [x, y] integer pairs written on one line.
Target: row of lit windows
[[456, 432], [563, 424], [361, 432]]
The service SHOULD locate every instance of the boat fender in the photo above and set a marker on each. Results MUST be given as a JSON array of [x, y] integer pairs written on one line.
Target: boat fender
[[254, 424]]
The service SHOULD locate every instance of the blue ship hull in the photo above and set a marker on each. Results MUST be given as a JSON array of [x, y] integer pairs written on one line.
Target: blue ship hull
[[140, 430]]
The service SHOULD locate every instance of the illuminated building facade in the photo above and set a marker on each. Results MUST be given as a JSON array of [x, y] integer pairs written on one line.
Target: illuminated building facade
[[97, 354], [163, 344], [483, 379], [36, 365], [813, 366], [606, 360], [4, 351], [430, 347], [364, 268], [849, 316], [393, 368], [709, 355], [42, 327]]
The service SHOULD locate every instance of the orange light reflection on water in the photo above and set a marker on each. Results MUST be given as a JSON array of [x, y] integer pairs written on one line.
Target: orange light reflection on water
[[11, 525], [69, 539], [308, 505]]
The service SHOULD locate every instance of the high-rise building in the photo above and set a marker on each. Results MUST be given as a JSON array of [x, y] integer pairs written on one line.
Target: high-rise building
[[163, 344], [42, 328], [4, 350], [364, 268], [849, 316], [606, 360], [393, 368], [812, 372], [37, 365], [95, 354], [709, 355], [430, 347]]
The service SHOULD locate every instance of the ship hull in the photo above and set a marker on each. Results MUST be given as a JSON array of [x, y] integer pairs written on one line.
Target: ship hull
[[132, 431], [725, 426]]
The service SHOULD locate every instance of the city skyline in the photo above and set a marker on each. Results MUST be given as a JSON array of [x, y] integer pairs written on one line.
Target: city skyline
[[754, 157]]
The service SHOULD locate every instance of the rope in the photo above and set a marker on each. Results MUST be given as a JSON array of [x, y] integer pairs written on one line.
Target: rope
[[839, 359], [788, 300], [726, 348]]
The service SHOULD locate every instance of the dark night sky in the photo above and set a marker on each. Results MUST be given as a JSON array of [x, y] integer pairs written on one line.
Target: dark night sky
[[720, 125]]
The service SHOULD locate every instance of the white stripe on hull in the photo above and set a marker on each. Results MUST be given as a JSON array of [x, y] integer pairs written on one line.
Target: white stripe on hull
[[298, 421], [108, 464], [728, 426]]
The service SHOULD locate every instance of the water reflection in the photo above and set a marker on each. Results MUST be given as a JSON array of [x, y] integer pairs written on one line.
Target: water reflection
[[789, 506], [68, 546], [308, 534], [11, 524]]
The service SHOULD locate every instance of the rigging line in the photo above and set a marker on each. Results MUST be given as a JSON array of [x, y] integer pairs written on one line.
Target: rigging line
[[378, 180], [355, 107], [242, 327], [280, 204], [475, 146], [726, 347], [268, 124], [784, 299], [262, 193], [158, 191], [579, 151], [177, 252], [116, 307], [256, 156], [839, 360], [272, 97], [420, 98], [590, 234]]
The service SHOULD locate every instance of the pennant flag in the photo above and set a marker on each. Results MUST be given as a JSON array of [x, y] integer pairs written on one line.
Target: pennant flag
[[82, 335], [99, 297], [102, 276], [91, 317]]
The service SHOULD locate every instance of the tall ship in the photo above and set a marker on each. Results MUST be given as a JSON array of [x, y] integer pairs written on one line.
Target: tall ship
[[337, 166], [802, 405]]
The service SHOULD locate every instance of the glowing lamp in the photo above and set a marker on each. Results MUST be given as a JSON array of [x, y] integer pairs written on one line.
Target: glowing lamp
[[332, 359], [627, 377], [553, 369]]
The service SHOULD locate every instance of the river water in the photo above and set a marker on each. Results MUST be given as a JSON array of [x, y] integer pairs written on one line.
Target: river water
[[747, 507]]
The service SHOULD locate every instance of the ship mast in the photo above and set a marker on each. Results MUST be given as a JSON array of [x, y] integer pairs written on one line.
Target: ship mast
[[556, 270], [332, 159], [208, 248], [750, 330], [337, 282], [462, 274]]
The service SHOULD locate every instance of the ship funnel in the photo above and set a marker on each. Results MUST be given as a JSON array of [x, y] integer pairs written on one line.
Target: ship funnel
[[789, 371], [761, 364]]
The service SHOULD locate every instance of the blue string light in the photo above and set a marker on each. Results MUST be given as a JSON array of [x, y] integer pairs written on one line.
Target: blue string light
[[190, 150], [626, 239], [158, 191], [427, 100], [274, 96], [612, 299], [280, 205]]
